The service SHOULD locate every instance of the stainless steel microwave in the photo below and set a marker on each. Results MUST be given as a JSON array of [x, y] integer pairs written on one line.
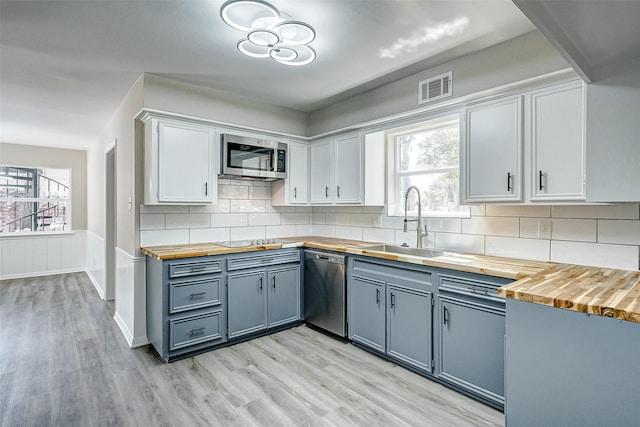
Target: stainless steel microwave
[[253, 158]]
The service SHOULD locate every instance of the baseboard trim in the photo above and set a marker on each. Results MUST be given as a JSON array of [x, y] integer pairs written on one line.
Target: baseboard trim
[[42, 273], [95, 284], [128, 336]]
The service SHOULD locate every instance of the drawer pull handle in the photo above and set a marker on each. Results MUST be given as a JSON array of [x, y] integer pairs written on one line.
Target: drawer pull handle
[[199, 268], [197, 295], [197, 331], [479, 291]]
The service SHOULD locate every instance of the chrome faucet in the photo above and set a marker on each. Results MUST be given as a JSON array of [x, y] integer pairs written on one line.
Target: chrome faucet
[[420, 233]]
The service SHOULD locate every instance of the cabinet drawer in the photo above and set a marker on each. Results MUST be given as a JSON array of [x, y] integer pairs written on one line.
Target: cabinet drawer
[[194, 294], [192, 268], [195, 329], [471, 287], [262, 260]]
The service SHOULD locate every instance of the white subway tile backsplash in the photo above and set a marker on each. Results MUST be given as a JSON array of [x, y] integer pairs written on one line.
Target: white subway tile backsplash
[[208, 235], [318, 218], [305, 209], [324, 230], [447, 225], [244, 206], [365, 220], [164, 209], [381, 210], [391, 221], [151, 221], [229, 220], [596, 254], [304, 230], [383, 235], [478, 210], [509, 247], [324, 209], [222, 206], [276, 231], [233, 191], [617, 211], [460, 242], [295, 218], [623, 231], [263, 193], [247, 233], [529, 228], [164, 237], [492, 226], [279, 209], [526, 211], [186, 221], [349, 209], [354, 233], [263, 219], [579, 230]]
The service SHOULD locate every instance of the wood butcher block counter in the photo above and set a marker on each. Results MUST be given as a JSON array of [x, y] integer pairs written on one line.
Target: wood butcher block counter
[[593, 290]]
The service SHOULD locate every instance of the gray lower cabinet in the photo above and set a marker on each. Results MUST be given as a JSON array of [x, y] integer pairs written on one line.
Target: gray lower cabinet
[[185, 305], [263, 298], [390, 311], [471, 327]]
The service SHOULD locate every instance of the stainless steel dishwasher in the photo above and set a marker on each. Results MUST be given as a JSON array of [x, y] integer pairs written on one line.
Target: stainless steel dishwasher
[[325, 292]]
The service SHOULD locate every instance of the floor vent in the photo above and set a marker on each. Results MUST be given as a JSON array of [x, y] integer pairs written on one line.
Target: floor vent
[[435, 88]]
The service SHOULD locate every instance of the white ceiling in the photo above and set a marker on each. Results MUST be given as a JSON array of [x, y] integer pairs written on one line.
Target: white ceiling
[[66, 65]]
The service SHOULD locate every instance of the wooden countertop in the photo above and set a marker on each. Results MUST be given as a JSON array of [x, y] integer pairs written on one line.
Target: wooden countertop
[[481, 264], [593, 290]]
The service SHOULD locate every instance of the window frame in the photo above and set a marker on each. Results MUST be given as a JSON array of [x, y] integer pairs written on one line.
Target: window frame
[[68, 227], [395, 205]]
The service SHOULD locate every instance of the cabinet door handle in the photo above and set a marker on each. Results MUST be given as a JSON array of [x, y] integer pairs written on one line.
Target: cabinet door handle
[[206, 188], [199, 330], [393, 301], [274, 282], [445, 315], [260, 283], [295, 192], [509, 181], [540, 186], [326, 192], [338, 192], [377, 296]]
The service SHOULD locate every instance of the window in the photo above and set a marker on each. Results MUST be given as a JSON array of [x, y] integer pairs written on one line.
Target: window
[[426, 155], [34, 199]]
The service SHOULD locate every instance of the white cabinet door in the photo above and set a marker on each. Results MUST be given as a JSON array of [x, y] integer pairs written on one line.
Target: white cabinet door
[[298, 167], [185, 163], [493, 151], [349, 169], [322, 172], [557, 143]]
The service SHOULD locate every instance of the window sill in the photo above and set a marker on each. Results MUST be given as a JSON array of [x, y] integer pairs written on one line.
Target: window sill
[[36, 234]]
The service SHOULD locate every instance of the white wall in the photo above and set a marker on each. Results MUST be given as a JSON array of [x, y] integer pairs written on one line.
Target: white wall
[[515, 60]]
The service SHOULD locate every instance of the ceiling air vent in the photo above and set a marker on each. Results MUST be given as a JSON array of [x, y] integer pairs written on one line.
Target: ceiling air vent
[[435, 88]]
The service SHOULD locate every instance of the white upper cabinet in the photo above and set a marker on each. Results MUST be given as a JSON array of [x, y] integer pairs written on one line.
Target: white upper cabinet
[[180, 159], [544, 153], [295, 188], [493, 151], [348, 170], [322, 172], [557, 143]]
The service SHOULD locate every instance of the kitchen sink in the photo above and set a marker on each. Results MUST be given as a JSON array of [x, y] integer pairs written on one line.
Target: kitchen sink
[[402, 250]]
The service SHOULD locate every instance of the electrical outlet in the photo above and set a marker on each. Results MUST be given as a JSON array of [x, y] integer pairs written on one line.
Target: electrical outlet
[[544, 229]]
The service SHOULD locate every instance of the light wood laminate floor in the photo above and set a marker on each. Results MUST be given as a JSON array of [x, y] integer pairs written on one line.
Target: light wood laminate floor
[[64, 362]]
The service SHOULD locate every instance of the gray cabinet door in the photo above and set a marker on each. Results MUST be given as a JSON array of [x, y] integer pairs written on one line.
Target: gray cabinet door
[[472, 346], [367, 312], [247, 302], [409, 326], [284, 295]]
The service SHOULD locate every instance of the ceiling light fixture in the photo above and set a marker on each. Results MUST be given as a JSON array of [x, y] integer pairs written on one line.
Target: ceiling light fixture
[[270, 33]]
